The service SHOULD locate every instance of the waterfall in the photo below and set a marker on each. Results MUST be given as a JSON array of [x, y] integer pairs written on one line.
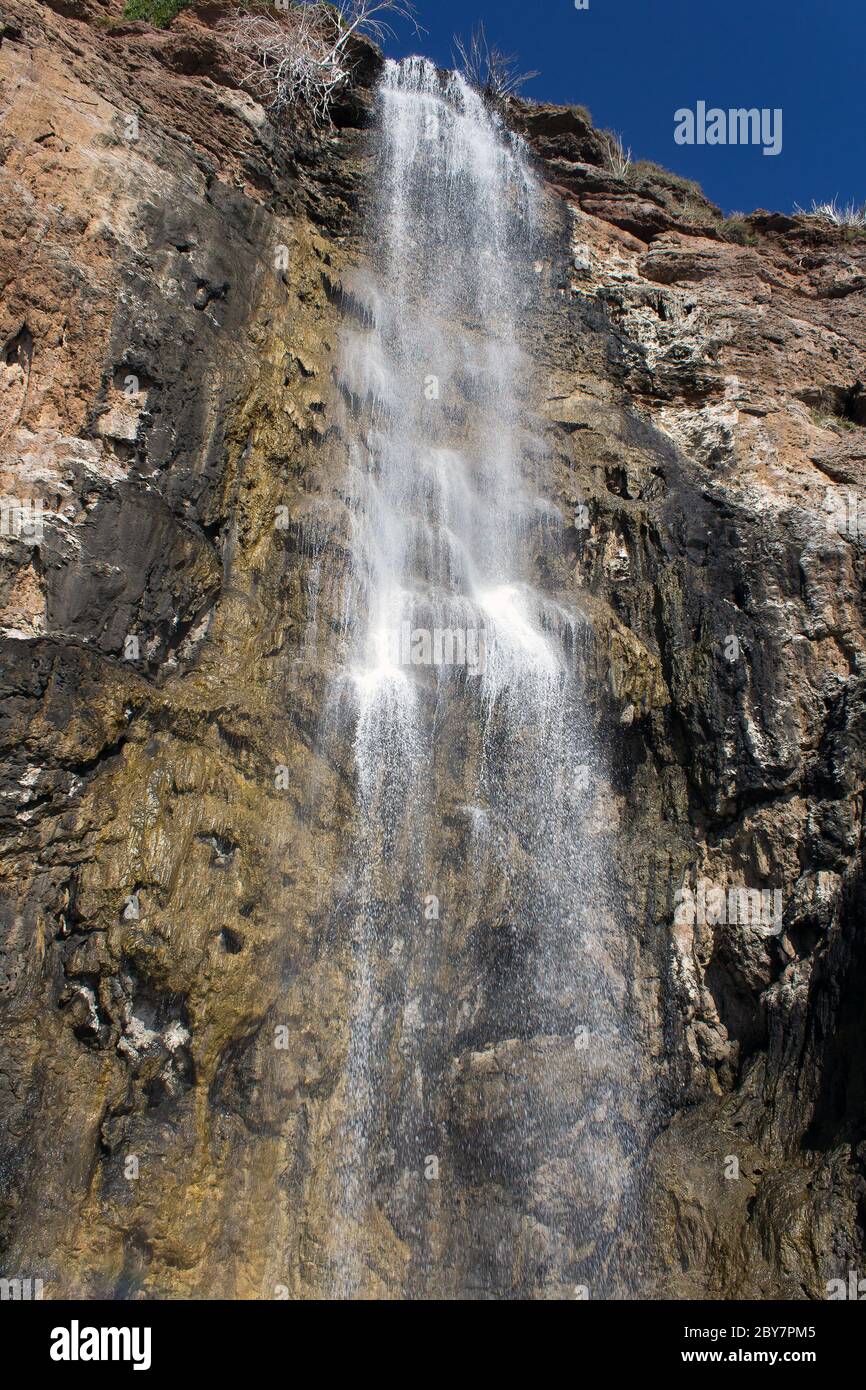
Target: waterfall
[[488, 1125]]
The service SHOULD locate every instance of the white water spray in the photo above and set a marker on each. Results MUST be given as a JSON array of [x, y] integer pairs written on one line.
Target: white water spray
[[475, 758]]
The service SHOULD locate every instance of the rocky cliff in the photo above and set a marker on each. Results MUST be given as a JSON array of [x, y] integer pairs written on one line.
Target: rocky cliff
[[176, 976]]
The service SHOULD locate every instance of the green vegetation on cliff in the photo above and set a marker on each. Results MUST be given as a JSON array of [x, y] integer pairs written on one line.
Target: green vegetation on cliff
[[157, 12]]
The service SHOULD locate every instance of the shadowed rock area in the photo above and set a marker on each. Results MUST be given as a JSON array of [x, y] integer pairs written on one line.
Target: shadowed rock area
[[176, 874]]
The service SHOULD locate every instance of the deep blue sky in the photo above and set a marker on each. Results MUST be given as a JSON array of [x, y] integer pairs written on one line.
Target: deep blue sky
[[634, 62]]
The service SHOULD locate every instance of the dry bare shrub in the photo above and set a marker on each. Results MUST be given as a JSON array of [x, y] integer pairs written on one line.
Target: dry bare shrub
[[488, 69], [300, 52], [618, 160], [847, 215]]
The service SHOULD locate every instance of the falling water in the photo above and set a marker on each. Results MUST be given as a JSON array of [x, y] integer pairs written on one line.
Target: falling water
[[488, 1129]]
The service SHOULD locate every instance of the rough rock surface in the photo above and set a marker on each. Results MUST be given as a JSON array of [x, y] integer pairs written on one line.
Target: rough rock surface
[[171, 295]]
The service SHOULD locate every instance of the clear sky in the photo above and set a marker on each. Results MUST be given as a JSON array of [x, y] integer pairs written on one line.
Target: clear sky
[[635, 62]]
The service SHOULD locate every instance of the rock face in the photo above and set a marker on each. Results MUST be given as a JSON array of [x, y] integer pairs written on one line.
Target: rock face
[[176, 973]]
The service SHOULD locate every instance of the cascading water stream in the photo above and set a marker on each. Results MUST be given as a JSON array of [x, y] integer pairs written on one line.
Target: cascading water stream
[[483, 927]]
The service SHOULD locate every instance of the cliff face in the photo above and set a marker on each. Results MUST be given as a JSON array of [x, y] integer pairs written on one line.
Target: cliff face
[[176, 978], [157, 858], [717, 402]]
